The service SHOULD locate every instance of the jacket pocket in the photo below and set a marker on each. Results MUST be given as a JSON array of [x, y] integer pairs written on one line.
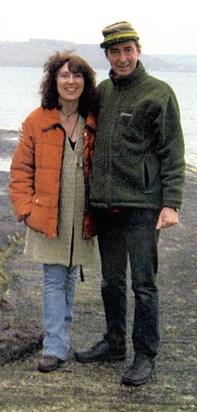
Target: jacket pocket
[[146, 176], [42, 214], [124, 124], [151, 175]]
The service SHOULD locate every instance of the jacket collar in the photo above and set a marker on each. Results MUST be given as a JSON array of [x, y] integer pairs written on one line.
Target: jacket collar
[[51, 120], [90, 122]]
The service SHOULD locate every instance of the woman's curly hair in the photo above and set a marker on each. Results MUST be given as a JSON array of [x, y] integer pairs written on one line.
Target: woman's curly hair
[[88, 101]]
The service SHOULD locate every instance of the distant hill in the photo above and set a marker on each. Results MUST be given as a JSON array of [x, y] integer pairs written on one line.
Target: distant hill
[[35, 52]]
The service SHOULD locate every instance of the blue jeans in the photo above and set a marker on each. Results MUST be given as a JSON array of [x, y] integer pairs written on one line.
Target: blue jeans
[[131, 232], [59, 291]]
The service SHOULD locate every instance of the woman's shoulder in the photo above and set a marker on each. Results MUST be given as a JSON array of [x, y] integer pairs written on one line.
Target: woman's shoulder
[[43, 116], [36, 113]]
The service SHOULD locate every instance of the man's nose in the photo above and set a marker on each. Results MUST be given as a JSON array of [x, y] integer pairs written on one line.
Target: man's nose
[[122, 56]]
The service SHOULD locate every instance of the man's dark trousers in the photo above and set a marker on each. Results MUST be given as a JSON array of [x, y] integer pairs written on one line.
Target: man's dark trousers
[[130, 231]]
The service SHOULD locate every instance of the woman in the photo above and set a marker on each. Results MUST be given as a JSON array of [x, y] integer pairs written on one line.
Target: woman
[[49, 191]]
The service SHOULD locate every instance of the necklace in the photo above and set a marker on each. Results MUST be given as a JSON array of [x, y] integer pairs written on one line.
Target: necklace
[[70, 137], [67, 116]]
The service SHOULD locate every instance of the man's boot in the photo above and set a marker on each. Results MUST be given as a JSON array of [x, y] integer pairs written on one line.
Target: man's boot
[[101, 351], [140, 371]]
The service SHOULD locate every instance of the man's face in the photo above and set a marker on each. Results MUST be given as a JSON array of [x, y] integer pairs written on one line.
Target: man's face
[[123, 57]]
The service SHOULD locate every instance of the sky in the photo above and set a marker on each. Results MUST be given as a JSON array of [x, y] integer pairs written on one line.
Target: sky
[[164, 26]]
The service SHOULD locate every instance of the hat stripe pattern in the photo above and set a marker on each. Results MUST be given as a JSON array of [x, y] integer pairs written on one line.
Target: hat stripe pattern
[[117, 36]]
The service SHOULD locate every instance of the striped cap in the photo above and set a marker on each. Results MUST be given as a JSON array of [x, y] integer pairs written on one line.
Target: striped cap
[[118, 32]]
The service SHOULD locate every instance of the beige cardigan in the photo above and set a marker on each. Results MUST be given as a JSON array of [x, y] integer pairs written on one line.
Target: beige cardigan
[[58, 250]]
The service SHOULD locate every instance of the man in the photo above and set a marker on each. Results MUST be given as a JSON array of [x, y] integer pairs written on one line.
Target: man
[[136, 188]]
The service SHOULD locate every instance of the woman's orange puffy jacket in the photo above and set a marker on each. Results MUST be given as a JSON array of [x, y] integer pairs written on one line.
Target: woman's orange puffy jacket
[[36, 172]]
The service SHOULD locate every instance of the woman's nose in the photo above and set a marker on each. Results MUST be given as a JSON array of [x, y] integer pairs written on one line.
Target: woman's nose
[[71, 78]]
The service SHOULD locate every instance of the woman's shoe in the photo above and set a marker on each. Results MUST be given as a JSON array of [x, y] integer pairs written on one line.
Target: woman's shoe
[[49, 363]]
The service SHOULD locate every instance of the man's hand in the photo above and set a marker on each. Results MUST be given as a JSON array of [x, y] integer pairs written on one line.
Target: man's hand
[[167, 217], [20, 134]]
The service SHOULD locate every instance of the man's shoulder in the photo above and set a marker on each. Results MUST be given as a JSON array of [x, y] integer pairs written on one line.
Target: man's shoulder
[[104, 83], [155, 81]]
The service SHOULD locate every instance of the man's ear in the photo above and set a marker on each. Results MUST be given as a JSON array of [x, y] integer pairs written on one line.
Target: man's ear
[[139, 49], [106, 54]]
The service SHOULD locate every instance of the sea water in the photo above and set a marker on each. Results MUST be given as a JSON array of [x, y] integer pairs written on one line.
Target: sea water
[[20, 95]]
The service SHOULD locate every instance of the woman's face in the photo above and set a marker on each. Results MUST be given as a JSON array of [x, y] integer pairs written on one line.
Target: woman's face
[[69, 85]]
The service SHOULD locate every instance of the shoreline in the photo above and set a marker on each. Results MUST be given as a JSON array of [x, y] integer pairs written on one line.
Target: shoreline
[[8, 130], [10, 136]]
